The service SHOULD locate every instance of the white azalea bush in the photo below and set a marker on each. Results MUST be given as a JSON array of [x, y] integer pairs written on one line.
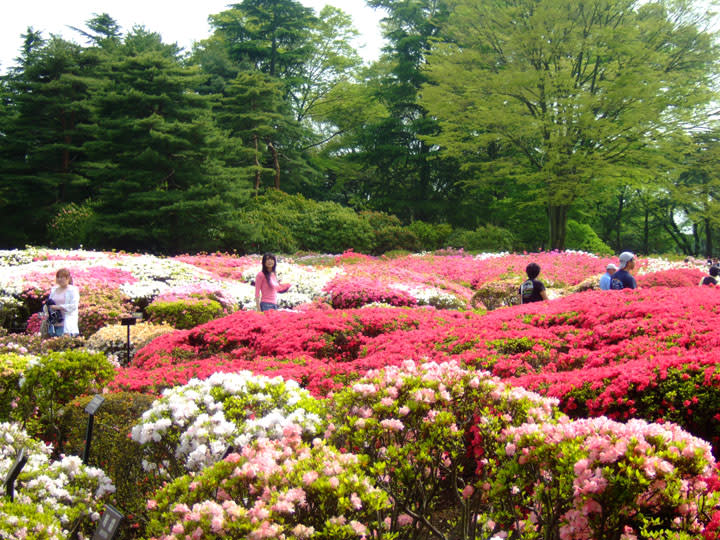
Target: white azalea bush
[[432, 296], [49, 495], [192, 426], [308, 284]]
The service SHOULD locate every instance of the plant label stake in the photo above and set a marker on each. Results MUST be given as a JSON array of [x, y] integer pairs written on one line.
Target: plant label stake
[[109, 524], [13, 474], [91, 409]]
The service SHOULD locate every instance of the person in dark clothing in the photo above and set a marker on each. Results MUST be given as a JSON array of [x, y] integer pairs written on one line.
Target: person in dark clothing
[[622, 279], [532, 290], [712, 278]]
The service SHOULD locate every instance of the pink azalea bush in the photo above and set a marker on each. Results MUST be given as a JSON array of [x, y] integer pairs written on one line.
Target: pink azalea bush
[[346, 294], [599, 479], [272, 489], [413, 422]]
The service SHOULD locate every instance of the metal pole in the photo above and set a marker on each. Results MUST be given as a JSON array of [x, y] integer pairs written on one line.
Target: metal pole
[[88, 437], [128, 345]]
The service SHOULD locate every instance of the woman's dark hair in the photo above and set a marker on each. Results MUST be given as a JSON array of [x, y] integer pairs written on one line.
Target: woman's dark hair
[[533, 270], [714, 271], [264, 270]]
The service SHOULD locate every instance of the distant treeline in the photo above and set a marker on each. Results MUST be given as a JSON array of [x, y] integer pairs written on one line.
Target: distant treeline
[[510, 125]]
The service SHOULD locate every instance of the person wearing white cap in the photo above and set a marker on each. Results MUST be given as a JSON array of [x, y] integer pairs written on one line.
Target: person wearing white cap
[[622, 279], [606, 278]]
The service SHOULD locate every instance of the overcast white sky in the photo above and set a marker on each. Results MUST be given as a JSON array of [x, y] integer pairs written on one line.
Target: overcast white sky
[[183, 21]]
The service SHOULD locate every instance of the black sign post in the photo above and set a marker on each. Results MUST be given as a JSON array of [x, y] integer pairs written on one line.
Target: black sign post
[[13, 474], [128, 321], [109, 524], [91, 409]]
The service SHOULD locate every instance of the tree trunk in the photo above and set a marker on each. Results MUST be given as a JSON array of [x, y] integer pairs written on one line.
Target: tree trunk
[[276, 163], [618, 220], [557, 216], [696, 240], [708, 240], [257, 166], [646, 232]]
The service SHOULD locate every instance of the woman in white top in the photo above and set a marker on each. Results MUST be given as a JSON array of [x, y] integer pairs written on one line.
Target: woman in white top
[[66, 297]]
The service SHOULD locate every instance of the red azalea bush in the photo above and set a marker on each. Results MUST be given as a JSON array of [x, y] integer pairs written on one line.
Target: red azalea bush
[[581, 349], [677, 277]]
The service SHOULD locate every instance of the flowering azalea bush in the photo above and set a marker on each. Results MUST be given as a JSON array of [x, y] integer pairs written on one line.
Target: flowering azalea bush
[[192, 426], [272, 489], [677, 277], [366, 291], [599, 479], [49, 495], [414, 423]]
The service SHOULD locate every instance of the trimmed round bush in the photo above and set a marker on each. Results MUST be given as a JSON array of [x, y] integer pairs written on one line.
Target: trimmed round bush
[[112, 448], [498, 293], [51, 381], [185, 313], [112, 339], [582, 237], [431, 236], [485, 238]]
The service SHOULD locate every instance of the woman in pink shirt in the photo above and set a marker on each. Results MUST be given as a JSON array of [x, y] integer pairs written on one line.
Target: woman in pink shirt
[[267, 285]]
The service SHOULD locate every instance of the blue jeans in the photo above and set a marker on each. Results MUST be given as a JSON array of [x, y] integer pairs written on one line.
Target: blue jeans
[[267, 306], [55, 331]]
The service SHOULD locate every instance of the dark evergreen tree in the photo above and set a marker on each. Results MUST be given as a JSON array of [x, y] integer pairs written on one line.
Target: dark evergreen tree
[[47, 99], [154, 159]]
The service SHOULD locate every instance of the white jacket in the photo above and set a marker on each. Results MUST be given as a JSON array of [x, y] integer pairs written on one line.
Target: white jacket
[[69, 308]]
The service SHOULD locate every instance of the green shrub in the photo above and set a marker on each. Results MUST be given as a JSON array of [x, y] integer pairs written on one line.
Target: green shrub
[[112, 449], [185, 313], [71, 225], [260, 230], [12, 367], [13, 313], [50, 496], [487, 238], [380, 220], [395, 238], [431, 236], [582, 237], [332, 228], [285, 223], [52, 381], [498, 293]]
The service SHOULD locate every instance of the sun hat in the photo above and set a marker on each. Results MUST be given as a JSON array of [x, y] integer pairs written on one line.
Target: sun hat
[[625, 257], [611, 266]]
